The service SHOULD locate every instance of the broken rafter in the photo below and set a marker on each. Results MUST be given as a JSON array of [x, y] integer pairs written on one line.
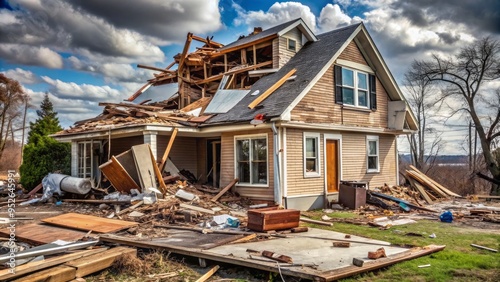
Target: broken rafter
[[139, 92], [207, 41], [219, 76], [184, 52], [271, 89], [167, 150], [154, 68], [145, 107], [238, 47]]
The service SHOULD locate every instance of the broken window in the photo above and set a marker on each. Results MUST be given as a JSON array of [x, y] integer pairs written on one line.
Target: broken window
[[311, 155], [251, 160], [372, 146]]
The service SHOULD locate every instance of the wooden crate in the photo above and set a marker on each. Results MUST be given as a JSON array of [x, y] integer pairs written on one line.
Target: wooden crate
[[272, 219]]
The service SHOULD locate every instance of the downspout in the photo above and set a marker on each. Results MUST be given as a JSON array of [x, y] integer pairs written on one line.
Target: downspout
[[277, 190]]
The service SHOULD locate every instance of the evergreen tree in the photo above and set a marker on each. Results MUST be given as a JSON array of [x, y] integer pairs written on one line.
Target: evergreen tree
[[43, 154]]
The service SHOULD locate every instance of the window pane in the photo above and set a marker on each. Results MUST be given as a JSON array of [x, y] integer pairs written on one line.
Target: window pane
[[347, 77], [311, 165], [372, 148], [259, 173], [372, 162], [244, 172], [291, 44], [362, 101], [243, 150], [310, 147], [259, 149], [362, 81], [348, 96]]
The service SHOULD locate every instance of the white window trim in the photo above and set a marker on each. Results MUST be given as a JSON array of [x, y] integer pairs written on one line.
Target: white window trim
[[317, 173], [251, 136], [288, 45], [355, 88], [368, 139], [82, 172]]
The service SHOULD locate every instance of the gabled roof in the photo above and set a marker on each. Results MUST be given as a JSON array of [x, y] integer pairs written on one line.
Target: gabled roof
[[276, 31], [309, 62]]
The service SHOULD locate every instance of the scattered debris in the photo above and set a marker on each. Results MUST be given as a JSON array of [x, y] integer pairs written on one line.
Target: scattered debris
[[484, 248], [379, 253]]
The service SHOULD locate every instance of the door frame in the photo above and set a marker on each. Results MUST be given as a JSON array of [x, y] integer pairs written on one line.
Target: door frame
[[338, 138]]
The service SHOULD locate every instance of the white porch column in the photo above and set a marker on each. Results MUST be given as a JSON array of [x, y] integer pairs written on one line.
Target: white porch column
[[150, 138], [74, 159]]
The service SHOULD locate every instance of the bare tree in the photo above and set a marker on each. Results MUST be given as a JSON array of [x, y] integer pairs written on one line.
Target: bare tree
[[12, 98], [426, 143], [464, 77]]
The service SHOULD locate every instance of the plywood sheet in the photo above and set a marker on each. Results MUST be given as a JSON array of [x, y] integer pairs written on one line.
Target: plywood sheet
[[126, 159], [40, 234], [145, 169], [89, 222], [118, 176]]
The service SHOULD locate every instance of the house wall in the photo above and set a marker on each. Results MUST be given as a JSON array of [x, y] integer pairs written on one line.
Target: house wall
[[306, 193], [318, 106], [228, 165], [184, 152], [120, 145], [281, 54]]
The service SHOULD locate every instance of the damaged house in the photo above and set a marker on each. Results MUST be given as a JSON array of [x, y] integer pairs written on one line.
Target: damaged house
[[288, 113]]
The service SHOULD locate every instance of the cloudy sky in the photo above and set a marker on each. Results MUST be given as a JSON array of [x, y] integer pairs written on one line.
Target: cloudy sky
[[85, 51]]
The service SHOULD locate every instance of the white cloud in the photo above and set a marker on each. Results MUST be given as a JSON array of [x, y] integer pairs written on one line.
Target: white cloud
[[22, 76], [31, 55], [276, 14], [332, 17], [71, 90]]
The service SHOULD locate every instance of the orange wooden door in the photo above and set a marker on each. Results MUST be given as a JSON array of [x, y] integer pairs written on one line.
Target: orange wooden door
[[332, 167]]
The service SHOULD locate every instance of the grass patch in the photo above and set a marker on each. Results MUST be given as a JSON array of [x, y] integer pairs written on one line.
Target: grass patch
[[457, 262]]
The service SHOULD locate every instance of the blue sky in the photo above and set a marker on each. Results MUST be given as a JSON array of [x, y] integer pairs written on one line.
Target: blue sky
[[83, 52]]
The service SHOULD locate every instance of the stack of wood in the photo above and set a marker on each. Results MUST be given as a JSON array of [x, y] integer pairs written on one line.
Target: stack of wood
[[429, 189]]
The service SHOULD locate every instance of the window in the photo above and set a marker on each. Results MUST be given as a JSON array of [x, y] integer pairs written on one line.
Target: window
[[355, 88], [311, 154], [291, 44], [87, 159], [372, 148], [251, 160]]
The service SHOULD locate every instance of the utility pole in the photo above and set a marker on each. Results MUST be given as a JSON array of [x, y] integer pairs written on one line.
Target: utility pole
[[470, 145], [24, 126]]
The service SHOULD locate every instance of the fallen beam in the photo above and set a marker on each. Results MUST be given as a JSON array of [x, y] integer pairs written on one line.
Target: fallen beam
[[209, 274], [223, 191], [271, 89], [316, 221]]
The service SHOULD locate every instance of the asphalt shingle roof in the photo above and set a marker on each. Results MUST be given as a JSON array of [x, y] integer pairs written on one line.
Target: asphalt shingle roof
[[308, 61]]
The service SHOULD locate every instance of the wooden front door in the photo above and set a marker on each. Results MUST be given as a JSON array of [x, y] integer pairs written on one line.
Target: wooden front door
[[332, 166]]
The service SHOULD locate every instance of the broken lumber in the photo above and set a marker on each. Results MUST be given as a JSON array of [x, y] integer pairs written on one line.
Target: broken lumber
[[131, 208], [195, 208], [223, 191], [316, 221], [277, 257], [245, 239], [424, 180], [341, 244], [271, 89], [93, 263], [118, 176], [420, 189], [54, 274], [36, 189], [441, 187], [397, 200], [484, 248], [209, 274], [167, 150]]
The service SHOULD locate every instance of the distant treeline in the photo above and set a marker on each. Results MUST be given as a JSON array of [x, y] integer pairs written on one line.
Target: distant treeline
[[445, 159]]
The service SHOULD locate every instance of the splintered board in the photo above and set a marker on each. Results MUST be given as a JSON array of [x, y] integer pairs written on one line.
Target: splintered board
[[40, 234], [118, 176], [89, 223], [144, 164]]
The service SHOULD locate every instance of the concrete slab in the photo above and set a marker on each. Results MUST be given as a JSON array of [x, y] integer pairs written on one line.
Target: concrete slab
[[304, 249]]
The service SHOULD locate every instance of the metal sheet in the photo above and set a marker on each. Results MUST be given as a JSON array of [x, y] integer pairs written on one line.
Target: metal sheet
[[224, 100]]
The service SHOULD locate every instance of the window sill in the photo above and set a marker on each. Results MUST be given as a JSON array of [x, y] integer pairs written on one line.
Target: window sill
[[252, 185], [312, 175], [354, 108], [372, 171]]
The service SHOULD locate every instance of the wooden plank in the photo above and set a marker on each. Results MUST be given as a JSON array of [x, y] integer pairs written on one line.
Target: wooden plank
[[46, 263], [93, 263], [184, 52], [195, 208], [240, 70], [36, 189], [55, 274], [118, 176], [109, 202], [200, 103], [223, 191], [89, 222], [420, 178], [245, 239], [159, 178], [169, 147], [40, 234], [145, 169], [271, 89], [444, 189], [139, 92], [209, 274], [316, 221], [420, 189]]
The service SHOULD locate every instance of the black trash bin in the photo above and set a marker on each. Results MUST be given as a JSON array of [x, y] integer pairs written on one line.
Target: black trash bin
[[352, 194]]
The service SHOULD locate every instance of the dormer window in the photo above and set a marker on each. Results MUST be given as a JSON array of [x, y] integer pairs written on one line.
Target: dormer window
[[292, 45]]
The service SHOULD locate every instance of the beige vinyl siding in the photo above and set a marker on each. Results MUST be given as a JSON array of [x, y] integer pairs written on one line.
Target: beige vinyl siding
[[318, 106], [120, 145], [354, 159], [184, 152], [228, 169], [276, 53], [284, 54], [296, 183]]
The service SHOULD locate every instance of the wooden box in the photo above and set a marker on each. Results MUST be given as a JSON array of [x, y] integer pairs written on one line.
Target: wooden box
[[272, 219]]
